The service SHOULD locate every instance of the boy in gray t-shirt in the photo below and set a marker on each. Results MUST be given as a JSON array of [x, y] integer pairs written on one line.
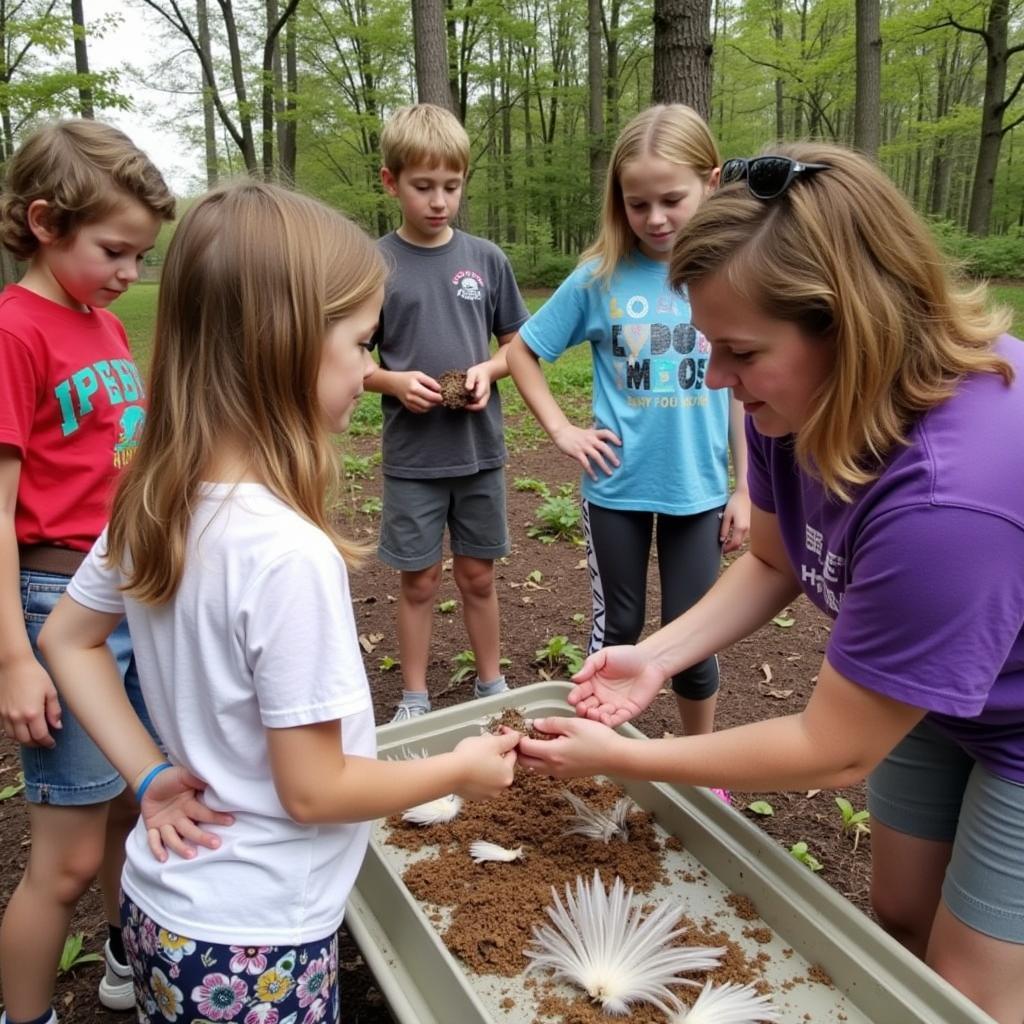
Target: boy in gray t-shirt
[[444, 449]]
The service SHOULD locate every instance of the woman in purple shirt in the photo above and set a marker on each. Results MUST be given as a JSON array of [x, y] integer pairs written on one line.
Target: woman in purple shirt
[[885, 420]]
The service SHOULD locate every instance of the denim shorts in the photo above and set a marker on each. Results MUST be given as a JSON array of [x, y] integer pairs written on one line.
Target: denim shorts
[[930, 788], [417, 511], [73, 773], [180, 980]]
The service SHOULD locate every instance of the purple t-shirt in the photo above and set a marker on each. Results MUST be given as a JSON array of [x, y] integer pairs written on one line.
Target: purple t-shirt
[[923, 571]]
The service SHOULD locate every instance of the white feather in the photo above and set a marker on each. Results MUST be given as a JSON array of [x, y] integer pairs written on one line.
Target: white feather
[[481, 851], [596, 824], [603, 943], [434, 812], [728, 1004]]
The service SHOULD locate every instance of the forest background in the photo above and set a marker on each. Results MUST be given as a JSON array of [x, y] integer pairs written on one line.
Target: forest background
[[297, 90]]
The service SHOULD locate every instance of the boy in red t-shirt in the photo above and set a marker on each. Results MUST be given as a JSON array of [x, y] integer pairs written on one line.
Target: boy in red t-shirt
[[83, 205]]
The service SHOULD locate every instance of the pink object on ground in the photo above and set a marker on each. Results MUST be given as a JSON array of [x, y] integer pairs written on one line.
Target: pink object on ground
[[724, 795]]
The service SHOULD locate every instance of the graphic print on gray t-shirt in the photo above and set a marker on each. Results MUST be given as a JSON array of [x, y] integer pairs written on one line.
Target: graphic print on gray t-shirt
[[441, 307]]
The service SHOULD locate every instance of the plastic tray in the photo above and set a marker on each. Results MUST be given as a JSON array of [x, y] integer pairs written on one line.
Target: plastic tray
[[873, 978]]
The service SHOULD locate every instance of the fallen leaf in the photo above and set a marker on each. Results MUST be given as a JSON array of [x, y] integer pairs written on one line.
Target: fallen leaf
[[767, 670], [812, 792], [366, 644], [783, 621], [581, 564], [778, 694], [526, 599]]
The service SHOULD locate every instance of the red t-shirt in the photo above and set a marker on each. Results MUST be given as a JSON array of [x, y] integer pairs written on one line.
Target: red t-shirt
[[72, 403]]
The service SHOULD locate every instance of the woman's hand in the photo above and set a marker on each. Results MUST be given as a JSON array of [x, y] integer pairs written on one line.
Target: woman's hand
[[735, 521], [615, 685], [577, 748], [592, 445], [172, 811]]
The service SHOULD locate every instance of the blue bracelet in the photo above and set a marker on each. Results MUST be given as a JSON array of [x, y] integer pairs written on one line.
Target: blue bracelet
[[150, 776]]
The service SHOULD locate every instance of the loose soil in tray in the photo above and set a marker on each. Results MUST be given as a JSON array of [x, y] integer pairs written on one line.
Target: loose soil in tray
[[531, 613]]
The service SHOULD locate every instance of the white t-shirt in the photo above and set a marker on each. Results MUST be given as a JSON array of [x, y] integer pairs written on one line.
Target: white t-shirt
[[260, 634]]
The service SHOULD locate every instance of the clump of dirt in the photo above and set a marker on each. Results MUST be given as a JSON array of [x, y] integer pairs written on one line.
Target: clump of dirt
[[513, 718], [453, 389]]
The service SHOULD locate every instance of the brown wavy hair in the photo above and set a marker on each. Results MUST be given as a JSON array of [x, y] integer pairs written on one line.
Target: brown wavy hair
[[254, 276], [673, 132], [84, 170], [843, 255]]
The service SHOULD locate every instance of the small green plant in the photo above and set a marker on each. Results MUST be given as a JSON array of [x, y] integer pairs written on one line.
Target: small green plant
[[529, 483], [465, 666], [357, 467], [8, 791], [535, 577], [783, 621], [557, 518], [761, 807], [387, 663], [447, 607], [71, 955], [800, 851], [579, 618], [560, 653], [371, 507], [855, 823]]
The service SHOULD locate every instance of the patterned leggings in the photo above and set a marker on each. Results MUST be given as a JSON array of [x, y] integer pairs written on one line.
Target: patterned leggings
[[180, 979]]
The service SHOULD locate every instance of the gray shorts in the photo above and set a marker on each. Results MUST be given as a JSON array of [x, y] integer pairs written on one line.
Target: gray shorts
[[416, 512], [929, 788]]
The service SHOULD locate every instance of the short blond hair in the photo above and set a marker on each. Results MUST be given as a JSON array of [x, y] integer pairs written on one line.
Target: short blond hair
[[425, 135], [671, 131], [843, 255], [84, 170]]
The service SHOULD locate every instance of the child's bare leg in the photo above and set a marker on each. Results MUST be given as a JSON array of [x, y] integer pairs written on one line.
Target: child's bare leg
[[123, 811], [697, 716], [475, 579], [415, 620], [64, 858]]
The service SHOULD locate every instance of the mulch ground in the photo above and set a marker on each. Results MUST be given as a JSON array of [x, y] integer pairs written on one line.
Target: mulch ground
[[771, 673]]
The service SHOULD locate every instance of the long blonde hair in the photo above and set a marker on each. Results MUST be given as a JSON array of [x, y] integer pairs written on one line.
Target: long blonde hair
[[253, 276], [843, 255], [673, 132]]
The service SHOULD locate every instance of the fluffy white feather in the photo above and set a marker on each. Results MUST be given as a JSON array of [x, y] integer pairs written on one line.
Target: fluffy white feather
[[594, 824], [602, 942], [728, 1004], [434, 812], [480, 850]]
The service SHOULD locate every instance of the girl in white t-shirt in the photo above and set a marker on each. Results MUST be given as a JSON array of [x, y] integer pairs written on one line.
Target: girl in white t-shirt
[[233, 580]]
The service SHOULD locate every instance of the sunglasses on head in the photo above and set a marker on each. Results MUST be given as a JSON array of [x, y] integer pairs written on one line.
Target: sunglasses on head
[[767, 177]]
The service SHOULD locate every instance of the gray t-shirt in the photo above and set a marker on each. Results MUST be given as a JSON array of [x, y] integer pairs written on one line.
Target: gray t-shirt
[[441, 307]]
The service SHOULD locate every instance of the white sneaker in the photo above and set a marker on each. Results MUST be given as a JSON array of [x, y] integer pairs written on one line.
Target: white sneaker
[[405, 712], [117, 987]]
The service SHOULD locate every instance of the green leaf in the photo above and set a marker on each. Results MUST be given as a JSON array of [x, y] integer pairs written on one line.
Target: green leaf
[[761, 807], [447, 607], [8, 791], [71, 955], [783, 621]]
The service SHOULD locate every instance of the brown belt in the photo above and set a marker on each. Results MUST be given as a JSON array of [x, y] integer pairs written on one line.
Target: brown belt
[[50, 558]]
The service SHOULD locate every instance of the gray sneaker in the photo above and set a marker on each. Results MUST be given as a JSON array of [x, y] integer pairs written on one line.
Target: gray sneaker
[[498, 686], [117, 988], [405, 712]]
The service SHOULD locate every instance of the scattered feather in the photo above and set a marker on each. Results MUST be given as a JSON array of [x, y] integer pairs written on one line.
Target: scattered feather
[[728, 1004], [434, 812], [603, 943], [594, 824], [481, 851]]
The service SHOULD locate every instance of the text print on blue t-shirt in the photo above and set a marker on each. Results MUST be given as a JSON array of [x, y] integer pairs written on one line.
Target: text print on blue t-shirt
[[676, 357]]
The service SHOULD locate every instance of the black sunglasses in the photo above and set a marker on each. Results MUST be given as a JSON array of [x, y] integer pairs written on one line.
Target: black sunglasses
[[767, 177]]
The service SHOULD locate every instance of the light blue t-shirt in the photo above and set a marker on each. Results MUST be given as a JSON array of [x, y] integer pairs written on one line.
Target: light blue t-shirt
[[649, 365]]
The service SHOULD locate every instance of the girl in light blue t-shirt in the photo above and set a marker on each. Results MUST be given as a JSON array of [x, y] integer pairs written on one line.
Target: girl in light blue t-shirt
[[656, 457]]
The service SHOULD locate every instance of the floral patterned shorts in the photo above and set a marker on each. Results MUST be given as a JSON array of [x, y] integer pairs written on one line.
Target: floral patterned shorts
[[178, 979]]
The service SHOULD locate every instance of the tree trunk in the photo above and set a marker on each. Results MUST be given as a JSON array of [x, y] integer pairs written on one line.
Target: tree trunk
[[209, 124], [430, 42], [868, 103], [81, 60], [993, 108], [288, 128], [780, 96], [595, 108], [682, 53]]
